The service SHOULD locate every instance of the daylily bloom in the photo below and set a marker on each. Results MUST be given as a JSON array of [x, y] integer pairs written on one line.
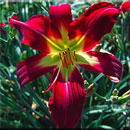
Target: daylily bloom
[[64, 44], [1, 30], [125, 6]]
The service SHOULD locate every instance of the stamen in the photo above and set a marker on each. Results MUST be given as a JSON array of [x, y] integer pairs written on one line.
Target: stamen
[[65, 59], [75, 56], [61, 59], [70, 56]]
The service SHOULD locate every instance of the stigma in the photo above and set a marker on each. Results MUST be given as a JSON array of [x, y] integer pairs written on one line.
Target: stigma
[[67, 57]]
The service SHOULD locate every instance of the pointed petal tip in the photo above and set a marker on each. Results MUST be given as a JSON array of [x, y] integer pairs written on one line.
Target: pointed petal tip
[[15, 18], [11, 20], [115, 79]]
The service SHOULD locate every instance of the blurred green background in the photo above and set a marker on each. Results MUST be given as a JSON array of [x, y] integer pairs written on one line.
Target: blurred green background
[[107, 105]]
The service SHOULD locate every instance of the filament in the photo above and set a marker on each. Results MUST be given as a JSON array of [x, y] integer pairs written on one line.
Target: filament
[[75, 56], [70, 56], [65, 59], [61, 59]]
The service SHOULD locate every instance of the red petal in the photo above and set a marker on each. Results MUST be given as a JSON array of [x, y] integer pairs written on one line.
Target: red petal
[[106, 64], [67, 99], [2, 30], [61, 15], [34, 30], [97, 21], [125, 7], [2, 24], [28, 70]]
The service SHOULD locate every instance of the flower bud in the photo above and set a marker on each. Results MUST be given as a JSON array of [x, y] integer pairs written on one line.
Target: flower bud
[[115, 92], [114, 98], [91, 89]]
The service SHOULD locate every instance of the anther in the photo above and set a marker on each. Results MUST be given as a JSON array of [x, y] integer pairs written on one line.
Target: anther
[[75, 56], [61, 59], [70, 56], [65, 59]]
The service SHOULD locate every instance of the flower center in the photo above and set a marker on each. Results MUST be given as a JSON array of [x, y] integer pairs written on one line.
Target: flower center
[[67, 57]]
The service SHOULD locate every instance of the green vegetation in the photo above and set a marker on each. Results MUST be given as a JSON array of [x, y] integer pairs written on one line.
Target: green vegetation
[[107, 107]]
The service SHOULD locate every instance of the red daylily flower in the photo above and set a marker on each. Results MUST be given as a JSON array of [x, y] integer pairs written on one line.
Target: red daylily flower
[[1, 30], [125, 6], [64, 44]]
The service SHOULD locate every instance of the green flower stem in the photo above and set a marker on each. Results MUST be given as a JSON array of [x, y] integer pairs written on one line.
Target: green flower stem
[[99, 96]]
